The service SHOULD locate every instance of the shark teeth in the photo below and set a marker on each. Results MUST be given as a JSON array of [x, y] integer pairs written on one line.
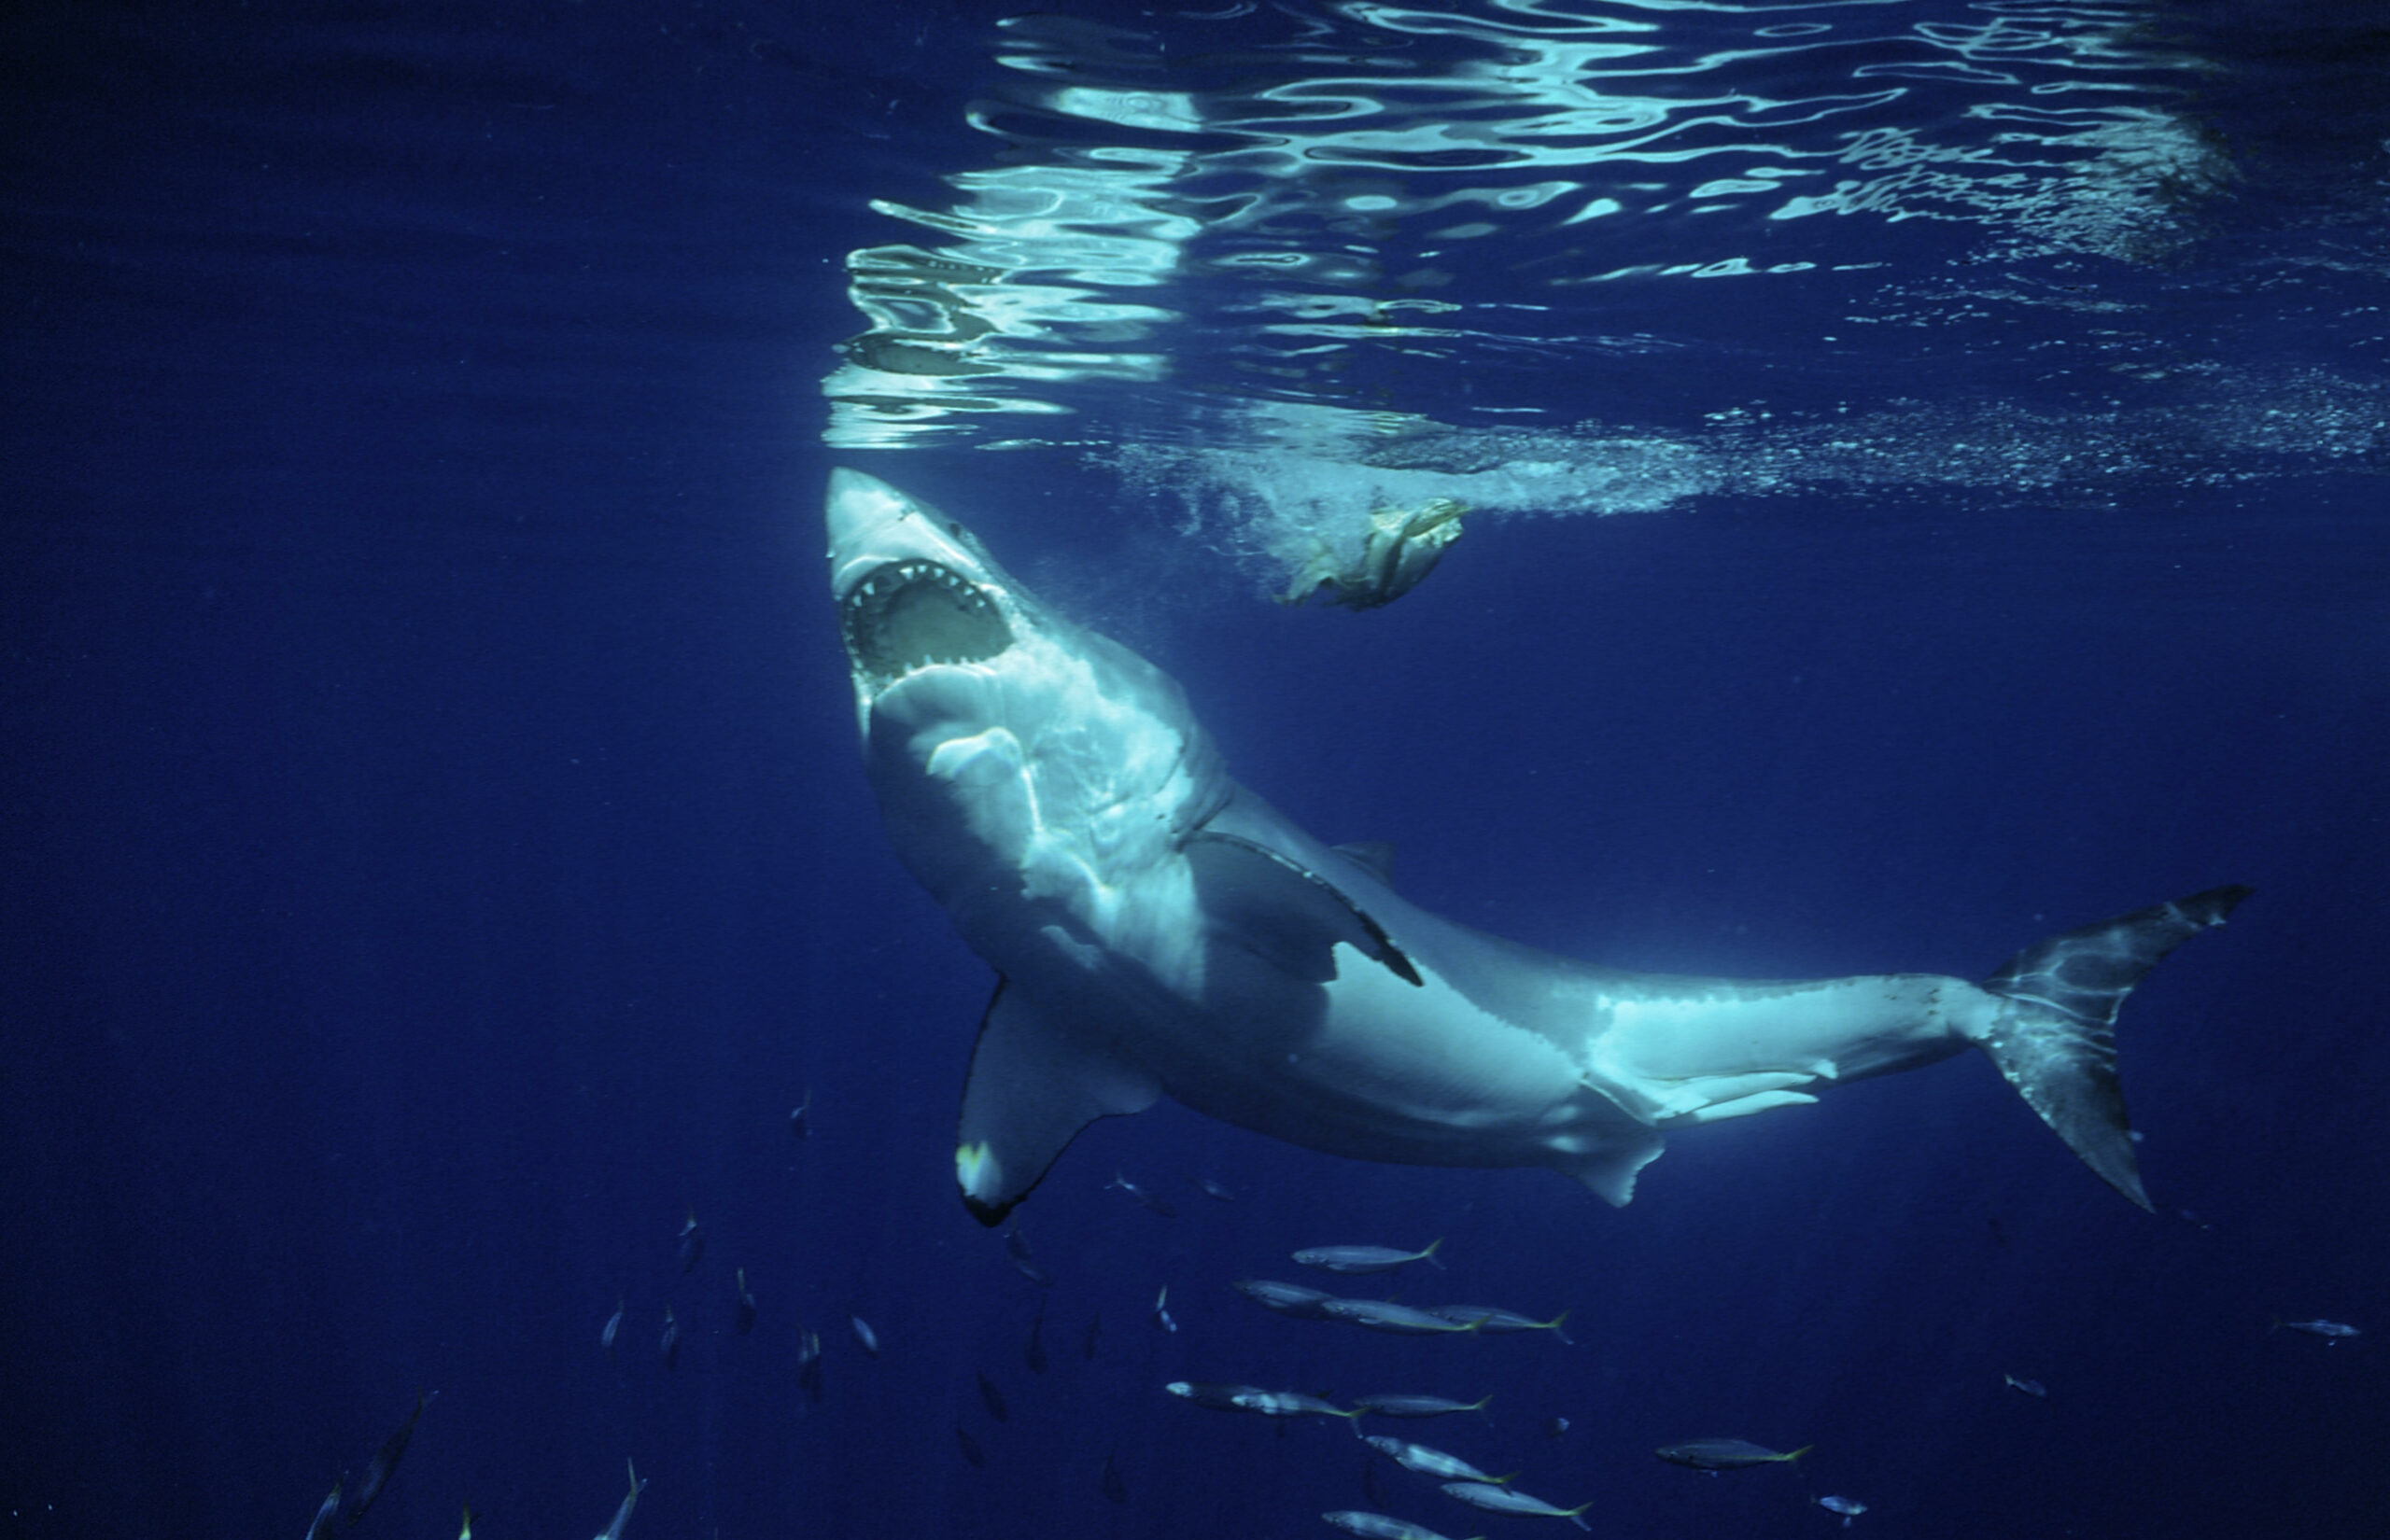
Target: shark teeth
[[914, 614]]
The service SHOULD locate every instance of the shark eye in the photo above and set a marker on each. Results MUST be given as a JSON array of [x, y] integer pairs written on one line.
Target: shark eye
[[912, 614]]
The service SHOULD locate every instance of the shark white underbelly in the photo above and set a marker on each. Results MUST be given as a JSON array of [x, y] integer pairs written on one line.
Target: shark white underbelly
[[1159, 929]]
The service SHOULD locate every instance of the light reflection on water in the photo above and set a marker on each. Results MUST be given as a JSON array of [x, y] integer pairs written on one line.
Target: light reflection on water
[[1240, 243]]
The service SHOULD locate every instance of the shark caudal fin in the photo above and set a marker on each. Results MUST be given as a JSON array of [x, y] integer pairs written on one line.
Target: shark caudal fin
[[2055, 1038]]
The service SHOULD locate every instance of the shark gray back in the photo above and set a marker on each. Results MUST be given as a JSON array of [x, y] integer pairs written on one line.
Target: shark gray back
[[1159, 929]]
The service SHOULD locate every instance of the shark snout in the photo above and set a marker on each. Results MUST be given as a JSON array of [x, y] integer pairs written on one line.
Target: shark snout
[[867, 520]]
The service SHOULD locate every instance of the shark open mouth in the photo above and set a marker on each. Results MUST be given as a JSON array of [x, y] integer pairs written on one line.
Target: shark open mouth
[[910, 614]]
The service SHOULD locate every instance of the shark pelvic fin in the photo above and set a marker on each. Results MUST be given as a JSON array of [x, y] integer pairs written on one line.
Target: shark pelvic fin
[[1033, 1085], [2054, 1038], [1609, 1171]]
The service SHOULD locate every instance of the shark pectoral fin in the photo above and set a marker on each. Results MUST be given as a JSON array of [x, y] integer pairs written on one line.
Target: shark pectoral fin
[[1608, 1169], [1034, 1084], [1283, 911], [2055, 1036]]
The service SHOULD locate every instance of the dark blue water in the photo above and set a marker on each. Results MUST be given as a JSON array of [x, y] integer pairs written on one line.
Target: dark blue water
[[436, 860]]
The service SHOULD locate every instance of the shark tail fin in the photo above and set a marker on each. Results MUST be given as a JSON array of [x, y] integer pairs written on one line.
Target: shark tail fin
[[2055, 1038]]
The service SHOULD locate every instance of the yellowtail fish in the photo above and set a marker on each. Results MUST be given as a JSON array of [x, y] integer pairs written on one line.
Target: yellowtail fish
[[1365, 1259], [1017, 1253], [386, 1459], [1496, 1322], [1417, 1405], [1157, 1205], [1384, 1315], [1293, 1299], [614, 1531], [1725, 1454], [808, 1364], [1034, 1353], [1496, 1499], [328, 1511], [1377, 1526], [1253, 1398], [1422, 1460]]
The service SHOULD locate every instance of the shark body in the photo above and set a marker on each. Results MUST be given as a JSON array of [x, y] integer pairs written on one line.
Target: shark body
[[1159, 930]]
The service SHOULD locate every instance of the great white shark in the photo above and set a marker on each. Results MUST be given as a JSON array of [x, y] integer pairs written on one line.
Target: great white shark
[[1157, 928]]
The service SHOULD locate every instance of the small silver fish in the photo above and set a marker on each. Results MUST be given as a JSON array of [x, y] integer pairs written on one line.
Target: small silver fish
[[2034, 1388], [1725, 1454], [1554, 1428], [1289, 1403], [1017, 1253], [1423, 1461], [613, 1530], [1416, 1406], [1162, 1311], [1034, 1354], [330, 1510], [866, 1338], [613, 1327], [746, 1322], [1157, 1205], [1253, 1398], [1114, 1488], [1365, 1259], [808, 1364], [693, 1242], [669, 1343], [1219, 1190], [1849, 1507], [464, 1528], [1494, 1499], [992, 1398], [386, 1459], [2331, 1331], [1384, 1315], [1220, 1397], [1094, 1330], [800, 1121], [969, 1446], [1293, 1299], [1377, 1526]]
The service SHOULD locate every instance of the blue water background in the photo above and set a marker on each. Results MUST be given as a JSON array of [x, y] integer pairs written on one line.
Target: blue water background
[[436, 861]]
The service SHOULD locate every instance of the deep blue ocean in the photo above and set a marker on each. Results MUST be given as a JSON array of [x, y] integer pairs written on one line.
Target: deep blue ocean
[[1924, 464]]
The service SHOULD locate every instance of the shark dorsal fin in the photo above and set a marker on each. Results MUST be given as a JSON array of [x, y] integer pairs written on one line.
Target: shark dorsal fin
[[1373, 856]]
